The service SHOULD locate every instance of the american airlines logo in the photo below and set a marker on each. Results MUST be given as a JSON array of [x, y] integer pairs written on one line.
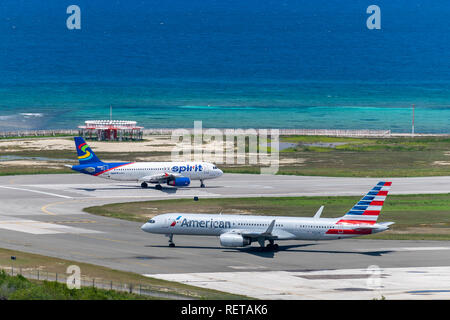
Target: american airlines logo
[[187, 168], [203, 223]]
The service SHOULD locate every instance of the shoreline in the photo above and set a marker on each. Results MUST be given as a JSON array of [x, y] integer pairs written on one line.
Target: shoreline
[[282, 132]]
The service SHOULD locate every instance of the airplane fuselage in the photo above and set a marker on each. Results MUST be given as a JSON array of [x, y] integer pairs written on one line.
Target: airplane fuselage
[[135, 171], [285, 228]]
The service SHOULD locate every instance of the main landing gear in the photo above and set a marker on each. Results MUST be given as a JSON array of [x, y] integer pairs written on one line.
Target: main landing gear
[[144, 185], [171, 243], [202, 185], [272, 246]]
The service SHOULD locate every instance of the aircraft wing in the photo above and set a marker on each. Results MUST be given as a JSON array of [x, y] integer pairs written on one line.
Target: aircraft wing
[[269, 234], [159, 178]]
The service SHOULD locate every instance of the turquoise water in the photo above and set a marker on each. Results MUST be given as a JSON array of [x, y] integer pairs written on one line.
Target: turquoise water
[[271, 64]]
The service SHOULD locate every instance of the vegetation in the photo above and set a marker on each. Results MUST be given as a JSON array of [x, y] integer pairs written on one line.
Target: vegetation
[[415, 216], [26, 261], [20, 170], [20, 288], [361, 157], [311, 156], [57, 135]]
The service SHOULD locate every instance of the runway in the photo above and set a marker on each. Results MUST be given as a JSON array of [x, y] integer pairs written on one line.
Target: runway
[[43, 214]]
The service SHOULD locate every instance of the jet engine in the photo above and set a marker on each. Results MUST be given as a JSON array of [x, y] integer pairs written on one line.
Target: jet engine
[[233, 240], [179, 182]]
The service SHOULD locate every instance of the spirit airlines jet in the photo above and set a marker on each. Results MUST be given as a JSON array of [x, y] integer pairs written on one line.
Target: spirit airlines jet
[[177, 174], [242, 230]]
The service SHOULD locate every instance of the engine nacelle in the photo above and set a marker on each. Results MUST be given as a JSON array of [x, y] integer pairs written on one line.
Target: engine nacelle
[[233, 240], [179, 182]]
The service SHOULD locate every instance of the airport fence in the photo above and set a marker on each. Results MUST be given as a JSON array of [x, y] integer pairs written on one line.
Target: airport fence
[[37, 133], [291, 132], [283, 132], [99, 283]]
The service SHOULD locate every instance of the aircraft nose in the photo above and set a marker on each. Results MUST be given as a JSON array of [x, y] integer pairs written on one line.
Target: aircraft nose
[[144, 227], [220, 172]]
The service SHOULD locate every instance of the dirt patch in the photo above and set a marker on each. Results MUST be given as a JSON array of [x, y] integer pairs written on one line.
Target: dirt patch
[[26, 163], [441, 163], [421, 230], [159, 144], [153, 144]]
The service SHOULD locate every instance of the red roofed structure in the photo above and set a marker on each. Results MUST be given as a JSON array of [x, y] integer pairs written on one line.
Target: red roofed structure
[[111, 130]]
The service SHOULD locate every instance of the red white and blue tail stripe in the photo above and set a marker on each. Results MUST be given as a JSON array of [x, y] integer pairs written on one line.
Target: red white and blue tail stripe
[[369, 207]]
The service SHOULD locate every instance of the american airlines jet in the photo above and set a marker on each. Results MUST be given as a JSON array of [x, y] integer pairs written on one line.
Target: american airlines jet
[[177, 174], [242, 230]]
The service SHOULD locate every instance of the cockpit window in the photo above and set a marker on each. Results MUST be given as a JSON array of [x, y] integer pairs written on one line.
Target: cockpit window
[[214, 167], [151, 221]]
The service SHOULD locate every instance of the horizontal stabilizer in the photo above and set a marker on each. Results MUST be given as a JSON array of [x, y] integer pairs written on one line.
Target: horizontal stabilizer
[[386, 224]]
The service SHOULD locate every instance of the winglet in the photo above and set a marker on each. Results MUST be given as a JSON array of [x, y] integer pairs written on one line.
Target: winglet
[[270, 228], [318, 213]]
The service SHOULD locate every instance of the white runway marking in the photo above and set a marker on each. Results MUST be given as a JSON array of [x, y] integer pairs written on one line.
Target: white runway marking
[[247, 267], [37, 191], [344, 284], [410, 249], [37, 227]]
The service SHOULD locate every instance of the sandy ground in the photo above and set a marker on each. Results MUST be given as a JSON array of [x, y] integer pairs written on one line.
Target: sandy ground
[[442, 163], [160, 143], [151, 144]]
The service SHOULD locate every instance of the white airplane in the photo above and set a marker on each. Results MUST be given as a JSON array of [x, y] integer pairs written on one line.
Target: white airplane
[[242, 230], [177, 174]]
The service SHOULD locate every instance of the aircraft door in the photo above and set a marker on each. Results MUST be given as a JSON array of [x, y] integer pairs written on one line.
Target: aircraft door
[[169, 221], [206, 172], [104, 168]]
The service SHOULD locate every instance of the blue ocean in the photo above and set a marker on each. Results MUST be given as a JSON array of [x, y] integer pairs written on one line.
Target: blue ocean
[[239, 64]]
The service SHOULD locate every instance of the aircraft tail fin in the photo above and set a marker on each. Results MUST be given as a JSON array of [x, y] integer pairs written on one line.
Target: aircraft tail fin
[[369, 207], [85, 153]]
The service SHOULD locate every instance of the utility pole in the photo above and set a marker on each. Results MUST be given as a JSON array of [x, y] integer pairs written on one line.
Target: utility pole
[[413, 115]]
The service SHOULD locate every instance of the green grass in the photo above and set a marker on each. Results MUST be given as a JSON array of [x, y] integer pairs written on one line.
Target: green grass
[[52, 265], [16, 170], [379, 158], [360, 157], [20, 288], [36, 137], [415, 216], [357, 157]]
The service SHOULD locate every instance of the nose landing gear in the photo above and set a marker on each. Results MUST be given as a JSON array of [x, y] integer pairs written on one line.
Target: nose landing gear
[[171, 243]]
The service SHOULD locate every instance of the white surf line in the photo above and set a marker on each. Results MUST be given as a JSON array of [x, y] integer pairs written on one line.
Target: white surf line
[[36, 191]]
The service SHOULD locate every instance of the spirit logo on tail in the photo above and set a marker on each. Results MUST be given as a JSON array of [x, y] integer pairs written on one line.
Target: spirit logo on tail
[[87, 155]]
